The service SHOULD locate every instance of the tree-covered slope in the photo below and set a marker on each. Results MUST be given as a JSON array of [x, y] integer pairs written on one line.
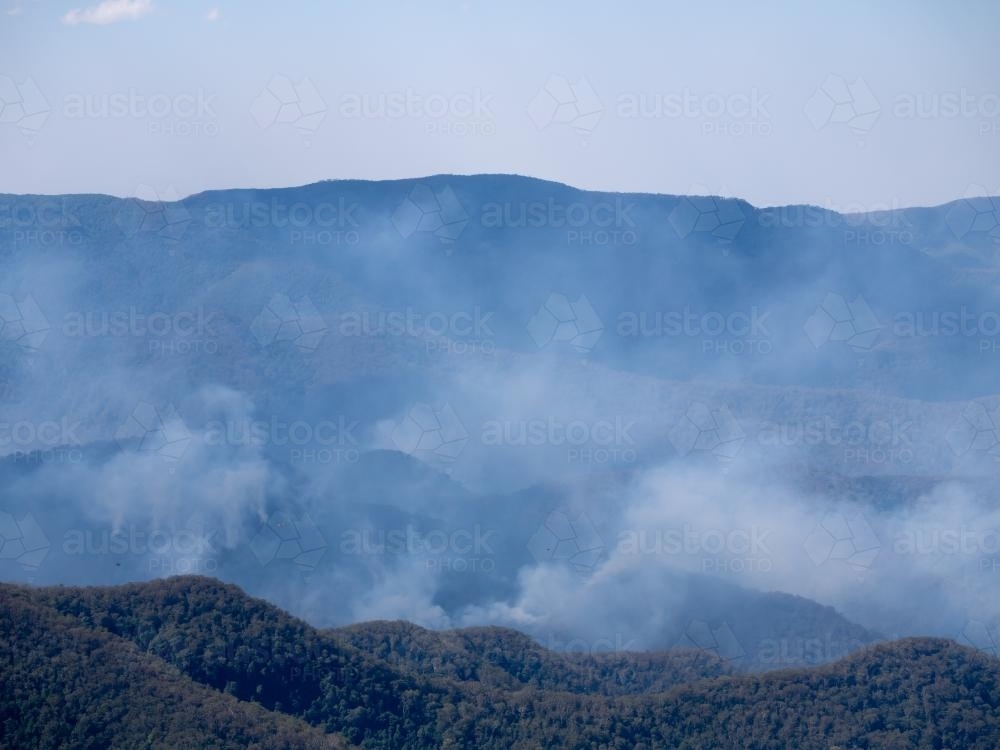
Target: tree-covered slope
[[139, 658], [67, 686]]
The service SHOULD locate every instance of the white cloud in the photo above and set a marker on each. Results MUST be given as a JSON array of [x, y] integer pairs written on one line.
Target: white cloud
[[15, 11], [109, 11], [213, 15]]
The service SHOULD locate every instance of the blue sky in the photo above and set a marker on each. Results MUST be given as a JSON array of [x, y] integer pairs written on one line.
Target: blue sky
[[533, 69]]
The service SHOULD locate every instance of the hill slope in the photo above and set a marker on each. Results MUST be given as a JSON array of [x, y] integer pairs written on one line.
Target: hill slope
[[65, 686], [914, 693]]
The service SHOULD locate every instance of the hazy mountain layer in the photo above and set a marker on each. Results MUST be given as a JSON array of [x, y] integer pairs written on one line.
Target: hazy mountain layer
[[597, 418]]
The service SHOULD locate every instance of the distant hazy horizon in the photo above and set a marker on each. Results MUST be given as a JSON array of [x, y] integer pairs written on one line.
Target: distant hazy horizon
[[142, 192], [852, 108]]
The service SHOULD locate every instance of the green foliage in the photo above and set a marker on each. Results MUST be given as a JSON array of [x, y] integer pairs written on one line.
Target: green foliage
[[66, 685], [191, 662], [506, 659]]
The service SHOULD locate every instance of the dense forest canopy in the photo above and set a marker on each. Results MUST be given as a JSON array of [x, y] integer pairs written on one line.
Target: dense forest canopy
[[190, 662]]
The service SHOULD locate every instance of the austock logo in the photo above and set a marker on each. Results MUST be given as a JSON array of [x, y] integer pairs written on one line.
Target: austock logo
[[878, 441], [583, 650], [31, 221], [600, 441], [48, 433], [460, 550], [182, 114], [183, 332], [170, 549], [801, 652], [457, 114], [323, 223], [586, 223], [733, 334], [720, 550], [878, 223], [731, 115]]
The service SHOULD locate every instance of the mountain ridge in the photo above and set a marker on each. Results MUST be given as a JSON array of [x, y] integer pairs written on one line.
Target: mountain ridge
[[912, 693], [529, 179]]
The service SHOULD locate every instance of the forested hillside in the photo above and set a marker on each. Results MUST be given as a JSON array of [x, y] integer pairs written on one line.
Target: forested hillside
[[190, 662]]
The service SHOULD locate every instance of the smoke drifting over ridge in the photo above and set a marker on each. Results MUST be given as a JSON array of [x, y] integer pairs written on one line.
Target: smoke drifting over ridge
[[609, 490]]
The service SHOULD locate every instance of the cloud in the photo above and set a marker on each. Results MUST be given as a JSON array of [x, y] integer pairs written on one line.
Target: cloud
[[109, 11], [213, 15]]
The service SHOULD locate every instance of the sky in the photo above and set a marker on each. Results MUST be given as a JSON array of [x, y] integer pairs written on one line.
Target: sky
[[849, 105]]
